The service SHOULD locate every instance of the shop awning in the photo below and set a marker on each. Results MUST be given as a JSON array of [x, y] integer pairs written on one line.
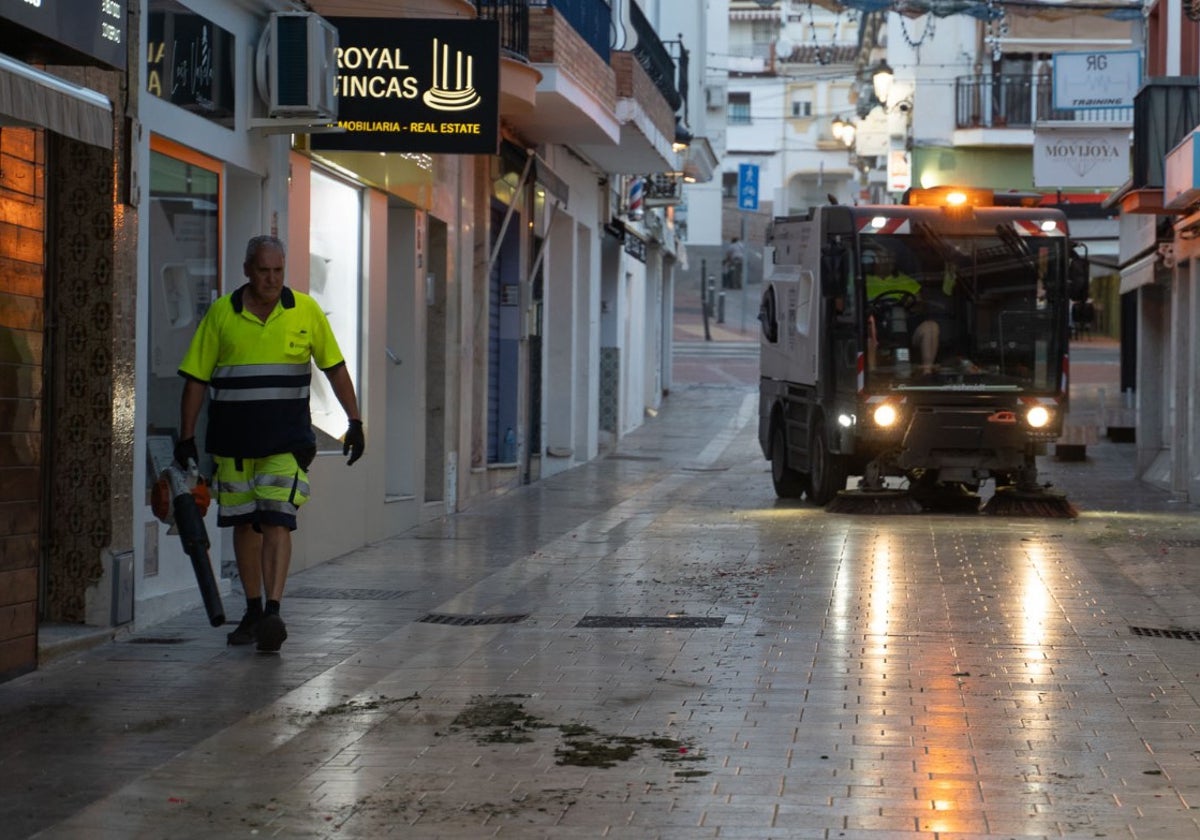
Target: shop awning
[[1138, 273], [32, 98]]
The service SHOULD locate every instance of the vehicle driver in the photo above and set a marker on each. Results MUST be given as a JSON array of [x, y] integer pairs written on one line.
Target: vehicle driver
[[904, 290]]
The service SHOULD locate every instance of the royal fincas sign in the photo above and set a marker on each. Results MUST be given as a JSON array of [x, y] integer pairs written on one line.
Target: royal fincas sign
[[415, 85]]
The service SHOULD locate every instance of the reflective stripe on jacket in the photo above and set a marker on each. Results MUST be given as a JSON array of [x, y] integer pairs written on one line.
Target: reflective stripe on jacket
[[259, 373]]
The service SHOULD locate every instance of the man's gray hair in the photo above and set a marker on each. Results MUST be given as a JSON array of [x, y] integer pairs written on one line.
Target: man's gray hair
[[257, 243]]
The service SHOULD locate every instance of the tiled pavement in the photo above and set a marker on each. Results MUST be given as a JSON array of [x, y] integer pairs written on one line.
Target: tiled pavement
[[769, 671]]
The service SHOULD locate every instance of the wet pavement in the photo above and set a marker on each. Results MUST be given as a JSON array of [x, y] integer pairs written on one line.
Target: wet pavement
[[652, 646]]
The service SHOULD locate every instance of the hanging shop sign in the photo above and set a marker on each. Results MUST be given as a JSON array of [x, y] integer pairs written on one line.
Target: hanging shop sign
[[1070, 158], [899, 170], [1096, 80], [189, 61], [96, 29], [410, 85], [635, 246]]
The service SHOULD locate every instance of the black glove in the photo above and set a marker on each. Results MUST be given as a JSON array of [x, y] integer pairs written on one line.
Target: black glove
[[185, 450], [354, 442]]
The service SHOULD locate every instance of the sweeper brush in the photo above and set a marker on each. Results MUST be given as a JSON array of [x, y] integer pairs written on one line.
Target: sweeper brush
[[1038, 501], [874, 502]]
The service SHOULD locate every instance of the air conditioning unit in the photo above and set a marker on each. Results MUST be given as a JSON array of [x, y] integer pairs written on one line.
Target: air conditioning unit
[[297, 66], [714, 97]]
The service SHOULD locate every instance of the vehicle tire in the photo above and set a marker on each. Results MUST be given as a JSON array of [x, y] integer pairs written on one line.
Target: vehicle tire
[[789, 484], [828, 471]]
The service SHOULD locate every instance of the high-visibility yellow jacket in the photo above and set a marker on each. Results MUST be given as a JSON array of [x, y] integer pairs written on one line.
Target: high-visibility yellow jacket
[[259, 373], [877, 285]]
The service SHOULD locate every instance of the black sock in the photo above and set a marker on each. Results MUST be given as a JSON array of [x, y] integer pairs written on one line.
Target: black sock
[[254, 605], [272, 607]]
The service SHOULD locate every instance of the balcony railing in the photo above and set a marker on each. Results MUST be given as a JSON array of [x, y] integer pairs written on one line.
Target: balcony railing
[[654, 58], [514, 24], [1018, 101], [592, 19], [1166, 109]]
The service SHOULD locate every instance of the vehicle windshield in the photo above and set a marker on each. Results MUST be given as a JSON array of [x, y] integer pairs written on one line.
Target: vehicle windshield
[[963, 312]]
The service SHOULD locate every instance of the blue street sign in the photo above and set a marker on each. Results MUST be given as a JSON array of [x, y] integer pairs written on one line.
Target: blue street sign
[[747, 186]]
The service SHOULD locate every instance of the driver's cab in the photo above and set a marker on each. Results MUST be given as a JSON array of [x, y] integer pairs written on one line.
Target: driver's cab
[[892, 297], [910, 326]]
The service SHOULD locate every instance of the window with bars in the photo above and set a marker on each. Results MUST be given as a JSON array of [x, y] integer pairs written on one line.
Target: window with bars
[[739, 108]]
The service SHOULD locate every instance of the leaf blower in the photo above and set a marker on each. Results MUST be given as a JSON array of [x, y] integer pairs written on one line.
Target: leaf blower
[[180, 499]]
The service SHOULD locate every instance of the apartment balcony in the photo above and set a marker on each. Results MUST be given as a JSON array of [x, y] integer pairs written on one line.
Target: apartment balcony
[[646, 104], [1003, 110], [647, 124], [518, 77], [576, 99], [617, 108], [1165, 111]]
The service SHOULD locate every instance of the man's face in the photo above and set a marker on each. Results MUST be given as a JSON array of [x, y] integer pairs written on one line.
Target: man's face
[[265, 273]]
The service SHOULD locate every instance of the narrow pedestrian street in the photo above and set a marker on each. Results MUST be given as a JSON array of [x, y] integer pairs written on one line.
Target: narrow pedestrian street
[[653, 646]]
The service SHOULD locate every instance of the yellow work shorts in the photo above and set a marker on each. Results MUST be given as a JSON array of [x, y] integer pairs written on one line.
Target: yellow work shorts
[[259, 491]]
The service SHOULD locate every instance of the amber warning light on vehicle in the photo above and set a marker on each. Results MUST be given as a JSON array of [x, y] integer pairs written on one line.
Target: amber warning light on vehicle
[[950, 197]]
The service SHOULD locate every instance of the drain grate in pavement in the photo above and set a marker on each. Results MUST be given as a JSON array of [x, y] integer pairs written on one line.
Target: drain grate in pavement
[[632, 621], [333, 594], [1157, 633], [157, 640], [470, 620], [621, 457]]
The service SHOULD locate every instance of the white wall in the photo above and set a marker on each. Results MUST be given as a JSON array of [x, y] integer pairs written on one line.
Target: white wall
[[931, 70], [632, 335], [704, 29]]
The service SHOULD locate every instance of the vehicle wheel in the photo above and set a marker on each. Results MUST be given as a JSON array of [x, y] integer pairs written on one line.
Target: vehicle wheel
[[789, 484], [828, 474]]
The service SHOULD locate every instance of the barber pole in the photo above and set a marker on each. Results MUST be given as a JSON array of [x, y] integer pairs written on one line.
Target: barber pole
[[637, 199]]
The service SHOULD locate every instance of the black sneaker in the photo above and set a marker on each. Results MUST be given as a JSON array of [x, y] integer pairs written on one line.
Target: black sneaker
[[271, 632], [246, 631]]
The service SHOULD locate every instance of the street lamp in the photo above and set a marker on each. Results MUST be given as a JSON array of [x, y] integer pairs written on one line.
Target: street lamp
[[881, 79], [843, 131]]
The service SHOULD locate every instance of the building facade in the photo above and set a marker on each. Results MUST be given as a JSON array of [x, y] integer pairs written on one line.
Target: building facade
[[500, 295], [1160, 374], [68, 210]]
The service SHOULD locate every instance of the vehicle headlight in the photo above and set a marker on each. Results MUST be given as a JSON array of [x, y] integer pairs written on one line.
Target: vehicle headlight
[[1037, 417], [885, 416]]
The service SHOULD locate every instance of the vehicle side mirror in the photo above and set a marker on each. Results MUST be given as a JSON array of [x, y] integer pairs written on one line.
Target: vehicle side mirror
[[1079, 272], [833, 268], [767, 316]]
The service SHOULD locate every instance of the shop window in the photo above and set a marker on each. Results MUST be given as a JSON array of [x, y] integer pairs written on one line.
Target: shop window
[[190, 61], [184, 279], [334, 272]]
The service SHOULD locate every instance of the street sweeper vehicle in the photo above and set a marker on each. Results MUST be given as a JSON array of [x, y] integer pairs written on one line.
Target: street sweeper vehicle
[[922, 347]]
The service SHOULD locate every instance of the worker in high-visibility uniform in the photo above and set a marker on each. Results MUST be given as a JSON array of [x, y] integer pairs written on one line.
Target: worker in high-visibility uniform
[[251, 353], [887, 277]]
